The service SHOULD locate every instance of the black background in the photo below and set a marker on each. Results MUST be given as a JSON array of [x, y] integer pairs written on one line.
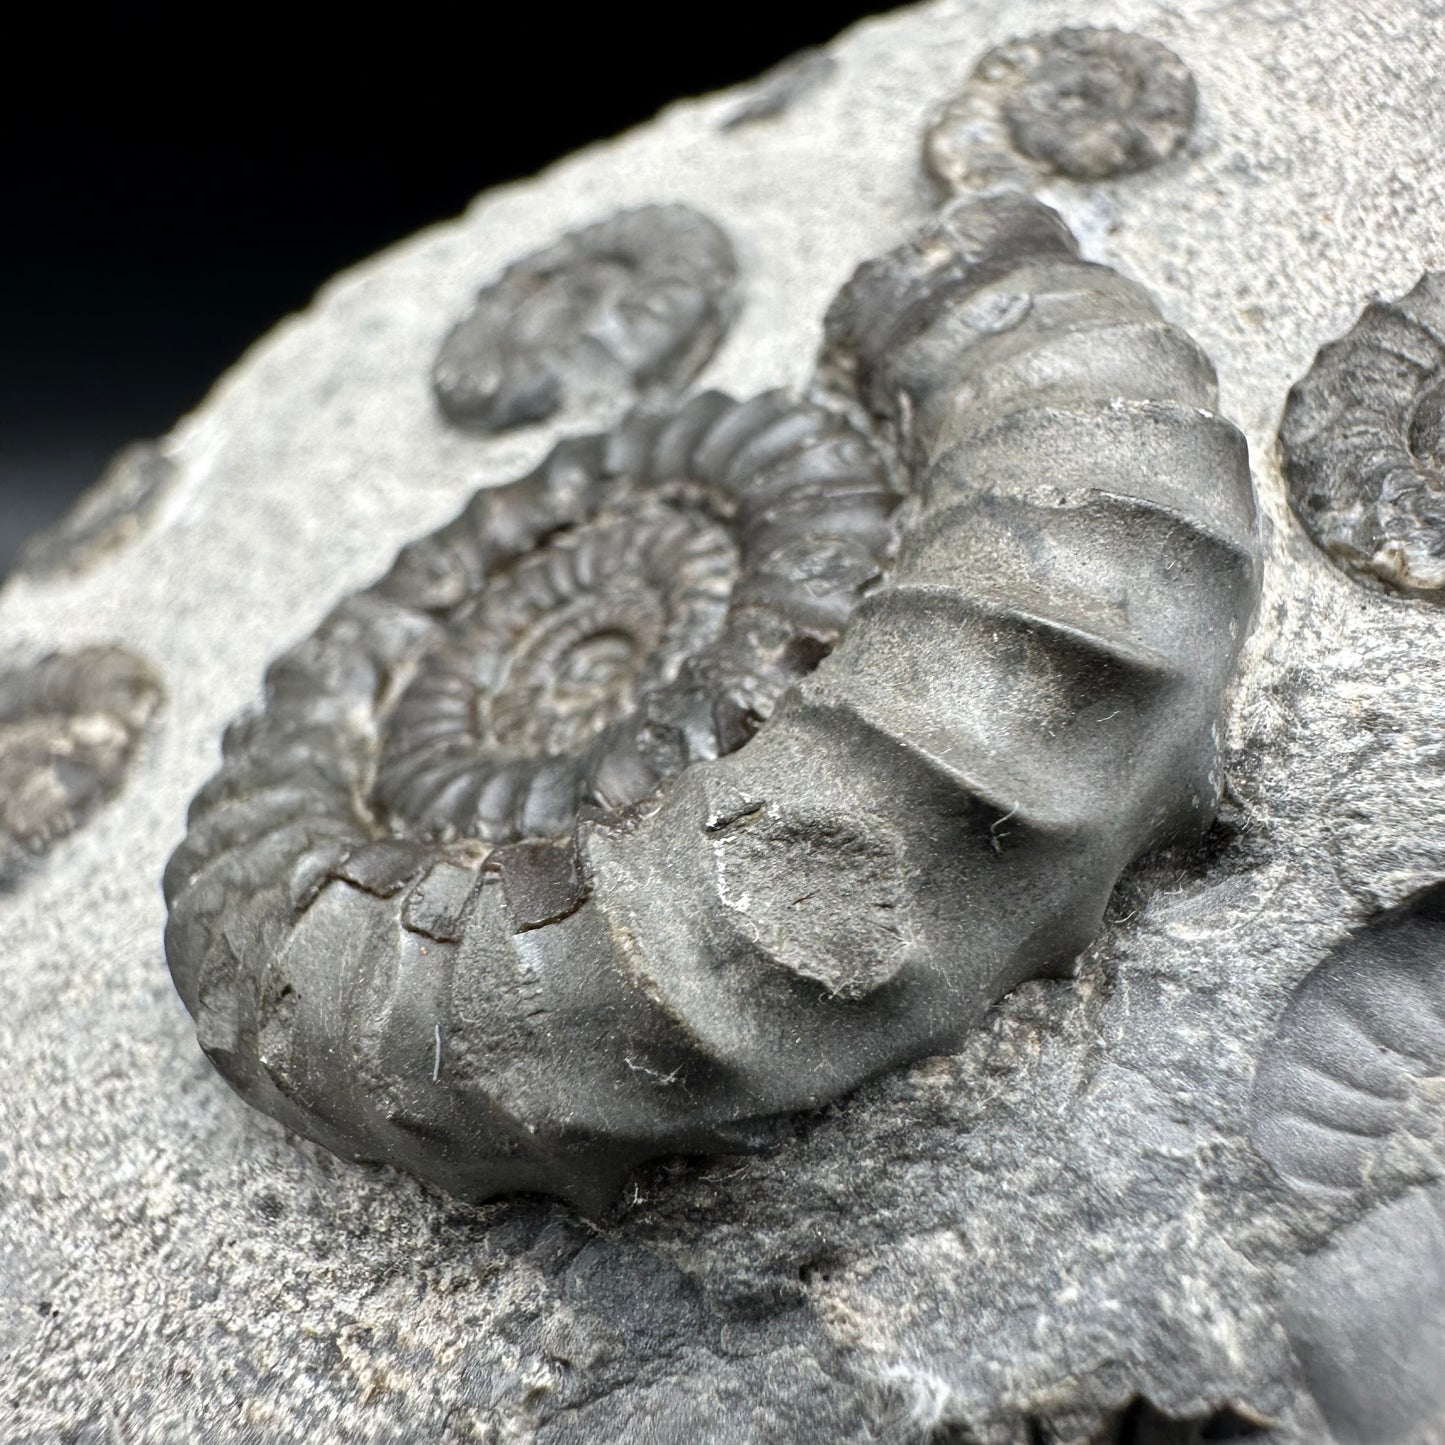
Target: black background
[[171, 183]]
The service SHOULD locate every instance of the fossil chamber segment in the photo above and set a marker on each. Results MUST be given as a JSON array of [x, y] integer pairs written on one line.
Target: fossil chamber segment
[[638, 301], [1363, 443], [693, 779], [1084, 102]]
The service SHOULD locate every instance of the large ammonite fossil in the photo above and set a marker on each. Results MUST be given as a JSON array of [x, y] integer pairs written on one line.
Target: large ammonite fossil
[[1363, 443], [694, 778]]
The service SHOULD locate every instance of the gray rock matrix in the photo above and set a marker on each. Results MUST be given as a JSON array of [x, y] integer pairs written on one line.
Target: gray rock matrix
[[1139, 1204]]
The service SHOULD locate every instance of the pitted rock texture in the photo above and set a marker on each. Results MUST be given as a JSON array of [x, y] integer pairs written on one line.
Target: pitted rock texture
[[1063, 1232]]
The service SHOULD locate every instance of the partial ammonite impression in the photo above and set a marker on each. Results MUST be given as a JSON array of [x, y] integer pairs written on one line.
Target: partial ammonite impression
[[694, 779], [781, 88], [105, 517], [1081, 102], [1346, 1109], [1340, 1088], [636, 302], [69, 728], [1363, 443]]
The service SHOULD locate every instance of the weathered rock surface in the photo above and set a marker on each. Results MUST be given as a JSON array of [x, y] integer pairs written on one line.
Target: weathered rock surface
[[1066, 1232]]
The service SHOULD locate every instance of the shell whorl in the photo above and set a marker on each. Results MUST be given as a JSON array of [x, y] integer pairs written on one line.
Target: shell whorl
[[1084, 102], [891, 778], [639, 300], [706, 560], [1363, 443]]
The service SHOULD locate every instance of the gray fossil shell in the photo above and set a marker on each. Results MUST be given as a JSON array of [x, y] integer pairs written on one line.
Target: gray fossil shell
[[69, 728], [1346, 1110], [105, 517], [1363, 443], [639, 300], [1082, 102], [686, 782]]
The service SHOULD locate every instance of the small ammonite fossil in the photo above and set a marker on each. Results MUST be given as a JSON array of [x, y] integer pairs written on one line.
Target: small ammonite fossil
[[69, 728], [1081, 102], [694, 779], [638, 301], [1363, 443], [106, 516]]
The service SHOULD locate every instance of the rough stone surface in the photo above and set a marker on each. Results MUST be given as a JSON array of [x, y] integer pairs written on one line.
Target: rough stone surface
[[1062, 1233]]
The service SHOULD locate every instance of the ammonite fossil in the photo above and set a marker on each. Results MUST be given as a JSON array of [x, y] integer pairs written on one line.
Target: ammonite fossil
[[1363, 443], [1081, 102], [640, 300], [692, 567], [69, 727], [693, 779], [1346, 1109], [1362, 1037], [105, 517]]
